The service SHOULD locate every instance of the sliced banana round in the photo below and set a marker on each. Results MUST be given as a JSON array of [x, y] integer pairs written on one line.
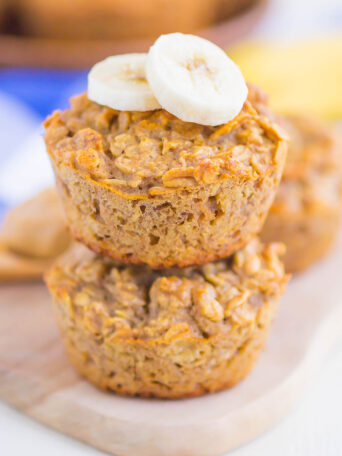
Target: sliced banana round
[[119, 82], [194, 79]]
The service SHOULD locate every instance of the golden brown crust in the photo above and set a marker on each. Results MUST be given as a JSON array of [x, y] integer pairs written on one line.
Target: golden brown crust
[[144, 154], [306, 212], [147, 188], [178, 333], [234, 370]]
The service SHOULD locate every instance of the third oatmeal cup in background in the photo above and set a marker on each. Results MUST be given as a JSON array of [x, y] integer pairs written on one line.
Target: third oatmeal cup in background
[[306, 213]]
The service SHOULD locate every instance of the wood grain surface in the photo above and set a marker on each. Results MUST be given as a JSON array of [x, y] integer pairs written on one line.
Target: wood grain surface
[[35, 376]]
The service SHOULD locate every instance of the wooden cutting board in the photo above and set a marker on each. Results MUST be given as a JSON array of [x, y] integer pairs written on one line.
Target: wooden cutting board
[[35, 376]]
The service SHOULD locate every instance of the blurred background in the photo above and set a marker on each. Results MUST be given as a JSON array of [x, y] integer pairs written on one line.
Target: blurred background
[[292, 48]]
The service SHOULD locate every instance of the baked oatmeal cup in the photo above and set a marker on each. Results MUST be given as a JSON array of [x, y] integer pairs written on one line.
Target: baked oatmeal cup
[[148, 188], [305, 215], [171, 334]]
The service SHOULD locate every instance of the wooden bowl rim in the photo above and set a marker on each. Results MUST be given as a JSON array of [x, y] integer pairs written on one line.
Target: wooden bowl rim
[[56, 53]]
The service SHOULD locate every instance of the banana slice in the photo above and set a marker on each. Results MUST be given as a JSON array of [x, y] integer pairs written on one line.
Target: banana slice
[[194, 79], [119, 82]]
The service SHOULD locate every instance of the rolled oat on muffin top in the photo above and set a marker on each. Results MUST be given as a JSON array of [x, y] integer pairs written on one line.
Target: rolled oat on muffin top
[[172, 333], [306, 212], [148, 188]]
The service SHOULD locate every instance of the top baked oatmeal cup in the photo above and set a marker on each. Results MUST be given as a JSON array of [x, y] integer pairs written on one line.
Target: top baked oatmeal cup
[[148, 188]]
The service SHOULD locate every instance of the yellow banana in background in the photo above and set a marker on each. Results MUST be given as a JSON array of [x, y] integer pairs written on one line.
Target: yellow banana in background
[[299, 77]]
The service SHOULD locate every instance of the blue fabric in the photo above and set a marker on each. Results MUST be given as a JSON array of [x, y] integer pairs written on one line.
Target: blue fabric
[[42, 90], [3, 210]]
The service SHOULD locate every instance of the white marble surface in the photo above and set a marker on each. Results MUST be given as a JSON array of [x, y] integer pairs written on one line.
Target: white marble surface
[[314, 427]]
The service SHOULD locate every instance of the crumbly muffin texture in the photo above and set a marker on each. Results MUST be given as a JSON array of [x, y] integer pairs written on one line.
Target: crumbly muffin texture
[[305, 214], [145, 187], [149, 152], [173, 333]]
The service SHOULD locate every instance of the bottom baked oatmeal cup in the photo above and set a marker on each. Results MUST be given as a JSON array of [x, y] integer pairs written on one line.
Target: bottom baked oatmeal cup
[[169, 334]]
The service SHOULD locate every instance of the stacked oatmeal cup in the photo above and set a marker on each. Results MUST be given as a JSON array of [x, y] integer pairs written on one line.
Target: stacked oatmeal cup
[[166, 169]]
